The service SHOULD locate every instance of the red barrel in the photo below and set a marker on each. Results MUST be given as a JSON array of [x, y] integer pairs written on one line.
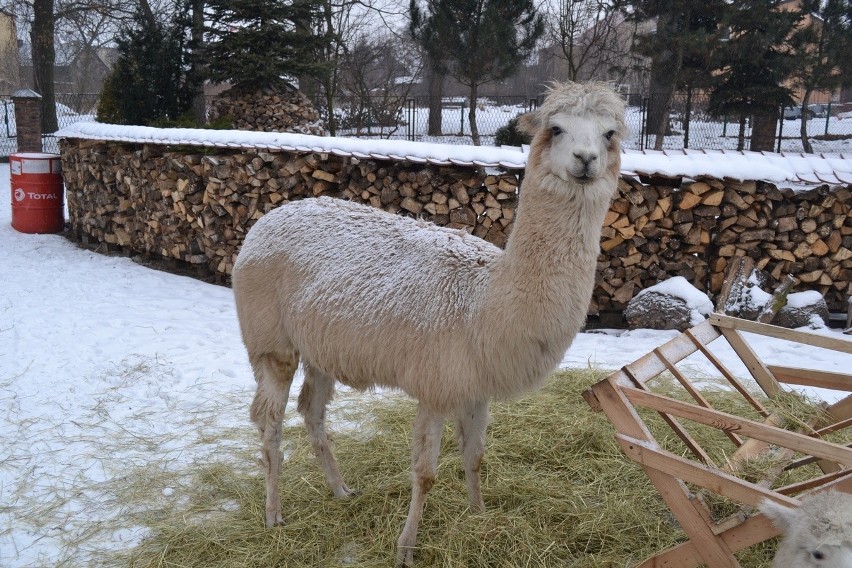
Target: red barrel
[[38, 204]]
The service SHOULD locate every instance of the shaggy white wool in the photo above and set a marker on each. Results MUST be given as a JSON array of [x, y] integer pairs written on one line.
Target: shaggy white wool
[[396, 267]]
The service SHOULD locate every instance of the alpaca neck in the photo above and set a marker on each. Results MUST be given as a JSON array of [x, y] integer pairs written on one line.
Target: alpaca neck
[[555, 241], [541, 285]]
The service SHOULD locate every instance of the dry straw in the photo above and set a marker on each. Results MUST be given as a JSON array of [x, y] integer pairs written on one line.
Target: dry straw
[[558, 492]]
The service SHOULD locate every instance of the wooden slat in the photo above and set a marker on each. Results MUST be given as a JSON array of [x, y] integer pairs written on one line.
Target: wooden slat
[[674, 350], [684, 436], [729, 376], [755, 366], [713, 551], [813, 339], [808, 460], [724, 421], [753, 530], [709, 478], [812, 378], [797, 488], [695, 394]]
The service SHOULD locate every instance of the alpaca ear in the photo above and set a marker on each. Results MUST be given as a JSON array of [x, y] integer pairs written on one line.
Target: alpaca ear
[[529, 123], [782, 517]]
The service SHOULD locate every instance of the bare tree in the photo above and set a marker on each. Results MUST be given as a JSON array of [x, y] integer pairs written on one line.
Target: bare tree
[[346, 22], [592, 37], [375, 79]]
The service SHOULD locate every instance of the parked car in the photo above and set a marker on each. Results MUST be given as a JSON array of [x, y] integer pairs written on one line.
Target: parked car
[[818, 110], [795, 113]]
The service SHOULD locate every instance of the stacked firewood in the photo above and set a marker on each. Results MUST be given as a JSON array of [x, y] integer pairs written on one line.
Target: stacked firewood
[[197, 208], [181, 203], [663, 228], [268, 110]]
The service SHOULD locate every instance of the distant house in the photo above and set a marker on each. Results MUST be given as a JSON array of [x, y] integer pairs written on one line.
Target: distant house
[[84, 74], [9, 73]]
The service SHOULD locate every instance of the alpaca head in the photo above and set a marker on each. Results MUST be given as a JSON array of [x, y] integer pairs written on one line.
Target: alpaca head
[[816, 535], [577, 133]]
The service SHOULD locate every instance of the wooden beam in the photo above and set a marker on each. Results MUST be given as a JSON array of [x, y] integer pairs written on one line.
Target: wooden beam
[[813, 339], [758, 370], [674, 350], [724, 421], [727, 374], [684, 436], [710, 478], [813, 378], [713, 551], [696, 396]]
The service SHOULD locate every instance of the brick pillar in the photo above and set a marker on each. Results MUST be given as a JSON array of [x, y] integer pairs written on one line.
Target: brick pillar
[[28, 120]]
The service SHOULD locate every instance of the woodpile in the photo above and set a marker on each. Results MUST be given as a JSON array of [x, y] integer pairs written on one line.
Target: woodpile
[[268, 110], [197, 208], [193, 206], [667, 228]]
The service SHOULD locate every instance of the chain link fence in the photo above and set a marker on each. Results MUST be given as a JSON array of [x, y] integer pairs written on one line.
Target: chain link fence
[[691, 125], [70, 108], [829, 126]]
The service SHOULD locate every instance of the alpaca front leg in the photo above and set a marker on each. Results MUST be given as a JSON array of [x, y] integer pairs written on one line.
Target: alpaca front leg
[[274, 375], [471, 423], [316, 393], [426, 445]]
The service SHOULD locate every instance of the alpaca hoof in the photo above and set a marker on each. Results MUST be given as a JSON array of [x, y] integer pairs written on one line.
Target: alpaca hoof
[[273, 519], [344, 492]]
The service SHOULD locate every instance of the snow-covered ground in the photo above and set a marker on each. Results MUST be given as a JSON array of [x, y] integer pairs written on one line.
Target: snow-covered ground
[[106, 365]]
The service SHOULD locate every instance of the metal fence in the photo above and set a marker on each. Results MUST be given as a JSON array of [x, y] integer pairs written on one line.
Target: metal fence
[[829, 127], [70, 108], [408, 118], [691, 125]]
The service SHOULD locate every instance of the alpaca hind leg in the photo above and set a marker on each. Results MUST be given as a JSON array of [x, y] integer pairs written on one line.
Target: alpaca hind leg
[[426, 445], [316, 393], [471, 423], [274, 375]]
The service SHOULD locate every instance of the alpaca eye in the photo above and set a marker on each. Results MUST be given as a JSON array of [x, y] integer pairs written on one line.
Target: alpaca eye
[[556, 130], [818, 555], [609, 134]]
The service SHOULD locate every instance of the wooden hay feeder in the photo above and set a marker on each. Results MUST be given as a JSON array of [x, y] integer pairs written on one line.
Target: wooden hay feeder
[[685, 483]]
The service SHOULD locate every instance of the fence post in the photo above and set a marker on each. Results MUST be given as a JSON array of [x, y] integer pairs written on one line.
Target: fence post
[[780, 128], [643, 115], [461, 121], [827, 117], [28, 120]]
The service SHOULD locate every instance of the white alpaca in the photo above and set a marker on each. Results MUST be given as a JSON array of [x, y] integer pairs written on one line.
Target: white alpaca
[[816, 535], [368, 298]]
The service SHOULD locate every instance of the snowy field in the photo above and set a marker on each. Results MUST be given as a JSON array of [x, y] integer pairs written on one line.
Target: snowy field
[[107, 366]]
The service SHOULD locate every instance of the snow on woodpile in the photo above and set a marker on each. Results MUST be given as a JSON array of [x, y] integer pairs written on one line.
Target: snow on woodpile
[[781, 169]]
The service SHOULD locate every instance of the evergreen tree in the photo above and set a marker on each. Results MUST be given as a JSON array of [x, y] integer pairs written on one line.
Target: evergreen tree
[[148, 82], [477, 41], [687, 32], [822, 44], [260, 43], [753, 65]]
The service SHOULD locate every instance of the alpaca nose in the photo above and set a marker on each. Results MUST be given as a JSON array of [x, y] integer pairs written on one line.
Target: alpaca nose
[[586, 158]]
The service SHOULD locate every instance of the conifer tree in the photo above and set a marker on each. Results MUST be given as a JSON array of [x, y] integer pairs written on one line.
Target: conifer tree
[[822, 45], [753, 65], [260, 43], [149, 82], [686, 33], [477, 41]]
